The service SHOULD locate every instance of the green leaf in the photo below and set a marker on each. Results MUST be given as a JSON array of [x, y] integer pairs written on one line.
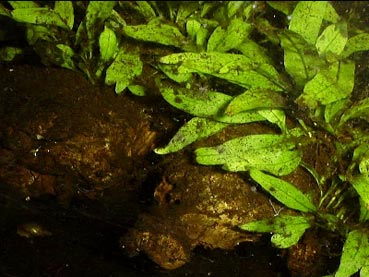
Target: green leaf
[[364, 211], [23, 4], [209, 104], [195, 102], [39, 32], [267, 152], [192, 28], [234, 6], [193, 130], [292, 234], [332, 40], [123, 70], [4, 11], [173, 74], [145, 9], [334, 110], [216, 38], [252, 50], [283, 191], [207, 6], [287, 229], [65, 10], [275, 116], [307, 18], [185, 10], [301, 60], [364, 272], [66, 56], [361, 185], [172, 9], [244, 117], [355, 255], [117, 19], [42, 16], [235, 68], [329, 85], [358, 110], [285, 7], [249, 11], [97, 12], [137, 90], [357, 43], [331, 14], [108, 44], [158, 32], [266, 28], [255, 99], [223, 41], [8, 54], [261, 226], [361, 157], [197, 31]]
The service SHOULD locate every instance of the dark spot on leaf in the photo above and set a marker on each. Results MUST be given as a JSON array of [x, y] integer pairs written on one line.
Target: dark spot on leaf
[[178, 99], [221, 149], [199, 125], [180, 138], [272, 189]]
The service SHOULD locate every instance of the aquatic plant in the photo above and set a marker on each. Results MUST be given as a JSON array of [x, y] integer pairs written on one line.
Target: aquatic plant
[[317, 96], [90, 43], [298, 77]]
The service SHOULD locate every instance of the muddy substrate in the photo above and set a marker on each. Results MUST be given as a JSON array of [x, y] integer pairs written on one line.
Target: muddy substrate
[[77, 173]]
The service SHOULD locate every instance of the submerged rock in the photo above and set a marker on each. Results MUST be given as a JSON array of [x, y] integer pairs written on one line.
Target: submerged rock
[[60, 135], [196, 205], [203, 206]]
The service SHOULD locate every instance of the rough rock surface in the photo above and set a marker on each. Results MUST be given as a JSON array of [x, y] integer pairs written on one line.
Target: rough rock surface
[[61, 135], [196, 205]]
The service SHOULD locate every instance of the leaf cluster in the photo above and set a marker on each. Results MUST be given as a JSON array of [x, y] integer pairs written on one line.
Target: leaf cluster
[[316, 56], [231, 47], [91, 43]]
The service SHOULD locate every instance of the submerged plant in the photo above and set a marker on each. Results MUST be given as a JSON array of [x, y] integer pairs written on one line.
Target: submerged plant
[[232, 48], [91, 43], [317, 96]]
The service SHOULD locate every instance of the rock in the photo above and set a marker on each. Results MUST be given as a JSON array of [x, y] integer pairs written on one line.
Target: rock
[[203, 206], [196, 205], [60, 135]]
